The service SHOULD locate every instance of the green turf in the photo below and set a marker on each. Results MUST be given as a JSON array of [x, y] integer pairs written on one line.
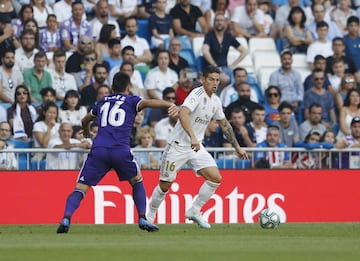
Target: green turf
[[292, 241]]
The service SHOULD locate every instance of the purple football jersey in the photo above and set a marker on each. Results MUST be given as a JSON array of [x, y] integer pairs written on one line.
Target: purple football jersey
[[116, 114]]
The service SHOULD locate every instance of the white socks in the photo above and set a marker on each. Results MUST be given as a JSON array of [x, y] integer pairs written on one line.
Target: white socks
[[207, 189], [157, 197]]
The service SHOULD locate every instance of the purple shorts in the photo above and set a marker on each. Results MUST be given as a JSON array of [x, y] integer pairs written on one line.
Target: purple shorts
[[101, 160]]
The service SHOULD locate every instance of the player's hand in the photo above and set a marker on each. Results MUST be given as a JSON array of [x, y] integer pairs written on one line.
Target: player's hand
[[195, 144], [173, 110], [242, 154]]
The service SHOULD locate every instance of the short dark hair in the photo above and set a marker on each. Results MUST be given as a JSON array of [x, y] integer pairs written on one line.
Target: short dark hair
[[120, 82], [7, 50], [211, 69], [27, 31], [352, 19], [285, 105], [319, 57], [100, 65], [127, 48], [126, 63], [239, 69], [167, 90], [314, 105], [59, 53], [113, 42], [40, 54], [262, 163], [322, 24], [45, 90]]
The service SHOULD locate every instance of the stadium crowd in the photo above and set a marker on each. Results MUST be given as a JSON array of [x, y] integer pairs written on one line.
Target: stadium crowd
[[290, 73]]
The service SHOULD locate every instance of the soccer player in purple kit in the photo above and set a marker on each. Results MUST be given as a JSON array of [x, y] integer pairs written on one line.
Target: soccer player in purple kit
[[111, 148]]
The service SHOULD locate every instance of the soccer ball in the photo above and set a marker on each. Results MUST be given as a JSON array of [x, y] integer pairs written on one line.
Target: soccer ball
[[269, 219]]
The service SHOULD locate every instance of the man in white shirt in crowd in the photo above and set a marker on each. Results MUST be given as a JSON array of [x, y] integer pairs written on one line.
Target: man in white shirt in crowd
[[8, 160], [62, 81], [68, 159], [24, 55]]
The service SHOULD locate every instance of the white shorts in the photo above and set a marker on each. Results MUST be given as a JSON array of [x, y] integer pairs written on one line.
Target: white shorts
[[175, 156]]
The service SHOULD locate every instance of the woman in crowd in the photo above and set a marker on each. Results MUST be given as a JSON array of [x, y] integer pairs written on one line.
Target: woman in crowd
[[146, 160], [21, 114], [217, 6], [45, 128], [108, 31], [273, 96], [347, 82], [70, 109], [350, 110], [41, 12], [297, 37], [26, 13]]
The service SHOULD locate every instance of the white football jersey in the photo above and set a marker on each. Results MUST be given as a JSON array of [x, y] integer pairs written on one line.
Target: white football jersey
[[203, 108]]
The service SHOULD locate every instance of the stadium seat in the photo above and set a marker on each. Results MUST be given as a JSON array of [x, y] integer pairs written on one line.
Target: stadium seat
[[263, 76], [299, 61], [189, 56], [279, 45], [5, 105], [304, 72], [225, 163], [243, 42], [23, 157], [245, 63], [184, 40], [266, 59], [243, 164], [197, 44], [38, 165], [262, 44], [143, 30]]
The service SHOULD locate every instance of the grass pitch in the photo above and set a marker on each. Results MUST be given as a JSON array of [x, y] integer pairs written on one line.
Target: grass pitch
[[292, 241]]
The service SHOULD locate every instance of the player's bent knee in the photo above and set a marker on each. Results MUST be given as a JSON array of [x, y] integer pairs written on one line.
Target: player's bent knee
[[135, 179]]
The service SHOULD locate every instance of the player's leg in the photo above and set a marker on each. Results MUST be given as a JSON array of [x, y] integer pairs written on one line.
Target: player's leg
[[205, 166], [94, 169], [173, 158]]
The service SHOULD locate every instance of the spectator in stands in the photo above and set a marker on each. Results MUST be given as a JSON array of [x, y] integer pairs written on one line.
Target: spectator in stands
[[107, 33], [177, 63], [248, 20], [243, 133], [350, 109], [137, 86], [147, 7], [128, 55], [50, 39], [21, 114], [216, 47], [218, 7], [338, 47], [289, 130], [321, 45], [352, 40], [273, 96], [121, 11], [94, 128], [313, 123], [37, 77], [70, 110], [88, 94], [3, 114], [61, 80], [157, 114], [288, 80], [31, 24], [348, 82], [10, 76], [73, 28], [341, 13], [277, 159], [160, 25], [296, 36], [317, 94], [147, 159], [8, 160], [143, 54], [350, 159], [68, 159], [7, 34], [269, 26], [138, 122], [63, 10], [160, 77], [48, 94], [114, 58], [338, 67], [213, 137], [74, 63], [262, 163], [85, 76], [24, 55], [163, 129], [185, 84], [185, 16], [229, 93], [26, 12], [328, 159], [45, 128], [243, 102], [101, 18], [257, 124], [308, 159], [319, 63], [41, 12], [319, 13]]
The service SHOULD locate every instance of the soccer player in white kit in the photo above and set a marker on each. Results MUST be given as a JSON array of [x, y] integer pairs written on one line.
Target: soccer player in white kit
[[184, 146]]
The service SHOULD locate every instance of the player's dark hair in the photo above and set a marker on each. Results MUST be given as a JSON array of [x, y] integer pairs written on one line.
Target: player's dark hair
[[211, 69], [120, 82]]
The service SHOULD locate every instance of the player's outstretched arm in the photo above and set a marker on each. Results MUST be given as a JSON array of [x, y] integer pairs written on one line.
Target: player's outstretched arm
[[153, 103], [230, 135]]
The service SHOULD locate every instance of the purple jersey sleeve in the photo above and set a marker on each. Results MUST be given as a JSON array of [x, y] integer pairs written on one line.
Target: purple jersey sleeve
[[115, 116]]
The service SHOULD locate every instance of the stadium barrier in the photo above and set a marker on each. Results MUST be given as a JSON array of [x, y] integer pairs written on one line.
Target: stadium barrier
[[38, 197]]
